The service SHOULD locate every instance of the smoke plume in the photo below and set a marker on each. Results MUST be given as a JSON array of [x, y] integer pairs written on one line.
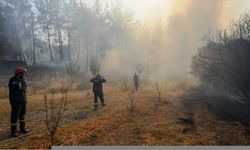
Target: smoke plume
[[168, 45]]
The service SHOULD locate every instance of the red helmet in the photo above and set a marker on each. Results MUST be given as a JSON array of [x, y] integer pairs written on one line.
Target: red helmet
[[20, 70]]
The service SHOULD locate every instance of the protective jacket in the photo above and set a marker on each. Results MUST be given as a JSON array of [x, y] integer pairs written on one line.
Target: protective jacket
[[97, 84], [17, 90]]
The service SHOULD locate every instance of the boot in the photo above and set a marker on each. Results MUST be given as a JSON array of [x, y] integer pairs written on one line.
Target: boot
[[22, 128], [95, 108], [24, 131], [103, 104], [13, 130], [14, 134]]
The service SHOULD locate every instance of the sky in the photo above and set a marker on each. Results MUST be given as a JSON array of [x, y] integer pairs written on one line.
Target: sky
[[149, 10], [232, 9]]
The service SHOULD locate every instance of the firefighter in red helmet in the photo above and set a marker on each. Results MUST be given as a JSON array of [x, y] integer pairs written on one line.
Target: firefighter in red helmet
[[18, 100]]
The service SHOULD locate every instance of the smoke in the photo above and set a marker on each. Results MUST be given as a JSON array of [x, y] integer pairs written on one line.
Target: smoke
[[165, 47], [186, 29]]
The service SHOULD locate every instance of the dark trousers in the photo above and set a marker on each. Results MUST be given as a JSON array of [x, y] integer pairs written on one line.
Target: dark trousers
[[18, 111], [100, 96], [136, 86]]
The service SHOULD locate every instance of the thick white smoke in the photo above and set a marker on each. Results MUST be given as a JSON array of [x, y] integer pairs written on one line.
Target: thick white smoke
[[166, 46]]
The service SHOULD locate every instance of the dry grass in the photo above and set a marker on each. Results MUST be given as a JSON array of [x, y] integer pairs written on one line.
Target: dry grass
[[117, 126]]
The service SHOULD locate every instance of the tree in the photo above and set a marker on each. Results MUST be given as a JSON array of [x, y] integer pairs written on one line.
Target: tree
[[5, 38], [224, 62], [54, 115], [65, 30], [45, 19], [73, 69], [32, 25], [139, 68], [59, 23], [95, 66], [17, 14]]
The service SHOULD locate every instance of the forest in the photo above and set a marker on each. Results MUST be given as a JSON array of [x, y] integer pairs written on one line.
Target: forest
[[167, 73], [60, 31]]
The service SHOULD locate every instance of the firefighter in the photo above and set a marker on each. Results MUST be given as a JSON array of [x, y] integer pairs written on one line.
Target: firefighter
[[18, 100], [97, 90], [136, 81]]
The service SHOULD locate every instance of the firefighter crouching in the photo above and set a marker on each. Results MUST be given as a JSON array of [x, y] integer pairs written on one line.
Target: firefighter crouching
[[97, 90], [18, 100]]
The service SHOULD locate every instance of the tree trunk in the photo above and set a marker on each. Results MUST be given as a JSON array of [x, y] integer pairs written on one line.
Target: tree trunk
[[87, 55], [69, 44], [52, 139], [33, 41], [87, 60], [18, 45], [60, 44], [49, 42], [30, 50]]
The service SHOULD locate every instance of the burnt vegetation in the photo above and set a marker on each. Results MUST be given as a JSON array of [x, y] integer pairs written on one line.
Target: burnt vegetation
[[224, 62], [223, 67]]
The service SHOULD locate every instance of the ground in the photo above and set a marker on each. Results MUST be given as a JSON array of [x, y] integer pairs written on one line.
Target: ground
[[180, 117]]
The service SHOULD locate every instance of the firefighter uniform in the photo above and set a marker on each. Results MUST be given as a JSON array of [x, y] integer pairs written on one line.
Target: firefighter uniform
[[97, 90], [18, 101], [136, 81]]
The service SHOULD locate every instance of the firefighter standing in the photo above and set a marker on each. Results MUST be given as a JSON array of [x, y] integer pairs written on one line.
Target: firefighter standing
[[18, 100], [97, 90], [136, 81]]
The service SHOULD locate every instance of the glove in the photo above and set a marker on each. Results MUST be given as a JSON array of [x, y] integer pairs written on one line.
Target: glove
[[24, 86], [20, 86]]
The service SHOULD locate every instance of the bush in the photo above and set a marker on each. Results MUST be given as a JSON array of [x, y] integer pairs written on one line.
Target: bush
[[72, 69], [84, 85], [95, 66], [54, 113], [223, 63], [139, 68]]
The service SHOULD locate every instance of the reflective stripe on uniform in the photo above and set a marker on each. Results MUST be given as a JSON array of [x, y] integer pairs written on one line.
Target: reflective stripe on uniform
[[13, 124], [21, 120]]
